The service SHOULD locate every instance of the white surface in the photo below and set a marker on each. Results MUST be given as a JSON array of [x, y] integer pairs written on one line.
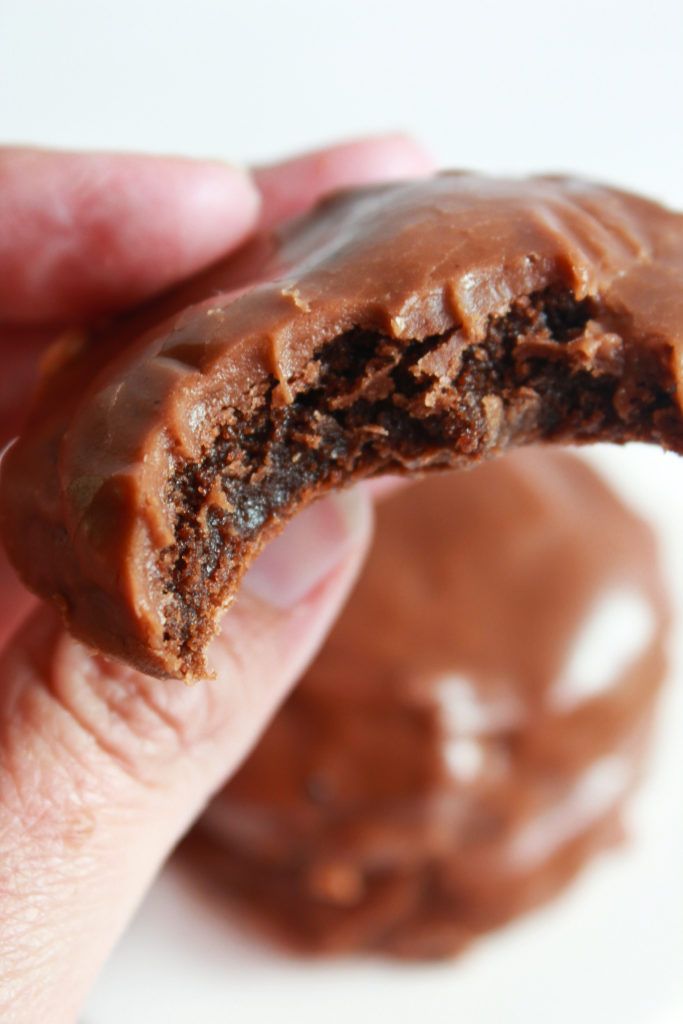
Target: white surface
[[592, 86], [589, 86]]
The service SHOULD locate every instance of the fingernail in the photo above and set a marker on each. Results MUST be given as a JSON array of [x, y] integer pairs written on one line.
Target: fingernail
[[312, 545]]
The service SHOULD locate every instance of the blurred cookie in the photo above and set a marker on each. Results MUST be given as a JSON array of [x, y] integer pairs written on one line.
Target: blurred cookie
[[467, 737]]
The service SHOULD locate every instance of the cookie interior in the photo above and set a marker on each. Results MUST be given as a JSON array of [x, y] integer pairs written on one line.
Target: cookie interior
[[553, 368]]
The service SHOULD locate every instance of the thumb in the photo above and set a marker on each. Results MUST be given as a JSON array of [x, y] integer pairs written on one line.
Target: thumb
[[102, 769]]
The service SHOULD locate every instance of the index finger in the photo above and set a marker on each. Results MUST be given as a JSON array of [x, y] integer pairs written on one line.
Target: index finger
[[293, 186]]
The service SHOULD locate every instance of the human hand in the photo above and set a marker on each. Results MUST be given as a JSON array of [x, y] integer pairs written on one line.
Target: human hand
[[102, 769]]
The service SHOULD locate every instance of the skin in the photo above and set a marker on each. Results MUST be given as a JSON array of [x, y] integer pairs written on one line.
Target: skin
[[102, 769]]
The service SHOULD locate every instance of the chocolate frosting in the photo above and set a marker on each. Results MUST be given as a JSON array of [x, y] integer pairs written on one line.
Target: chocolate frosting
[[398, 327], [464, 741]]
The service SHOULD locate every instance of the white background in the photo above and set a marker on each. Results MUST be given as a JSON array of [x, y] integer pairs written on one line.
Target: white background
[[589, 87]]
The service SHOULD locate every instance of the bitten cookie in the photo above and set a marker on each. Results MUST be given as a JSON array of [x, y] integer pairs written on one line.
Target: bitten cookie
[[398, 328]]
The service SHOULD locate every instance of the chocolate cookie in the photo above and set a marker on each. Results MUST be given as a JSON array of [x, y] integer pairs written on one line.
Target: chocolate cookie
[[397, 328], [467, 737]]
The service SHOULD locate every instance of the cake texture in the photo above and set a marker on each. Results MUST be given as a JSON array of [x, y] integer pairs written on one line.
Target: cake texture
[[396, 328], [467, 738]]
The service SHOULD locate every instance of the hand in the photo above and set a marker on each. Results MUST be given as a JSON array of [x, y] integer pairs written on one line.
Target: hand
[[102, 769]]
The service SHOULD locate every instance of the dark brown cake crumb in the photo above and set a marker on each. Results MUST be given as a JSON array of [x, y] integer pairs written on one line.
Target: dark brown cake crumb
[[546, 371]]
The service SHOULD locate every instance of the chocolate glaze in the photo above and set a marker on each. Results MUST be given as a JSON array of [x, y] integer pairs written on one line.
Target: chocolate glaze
[[461, 745], [396, 328]]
